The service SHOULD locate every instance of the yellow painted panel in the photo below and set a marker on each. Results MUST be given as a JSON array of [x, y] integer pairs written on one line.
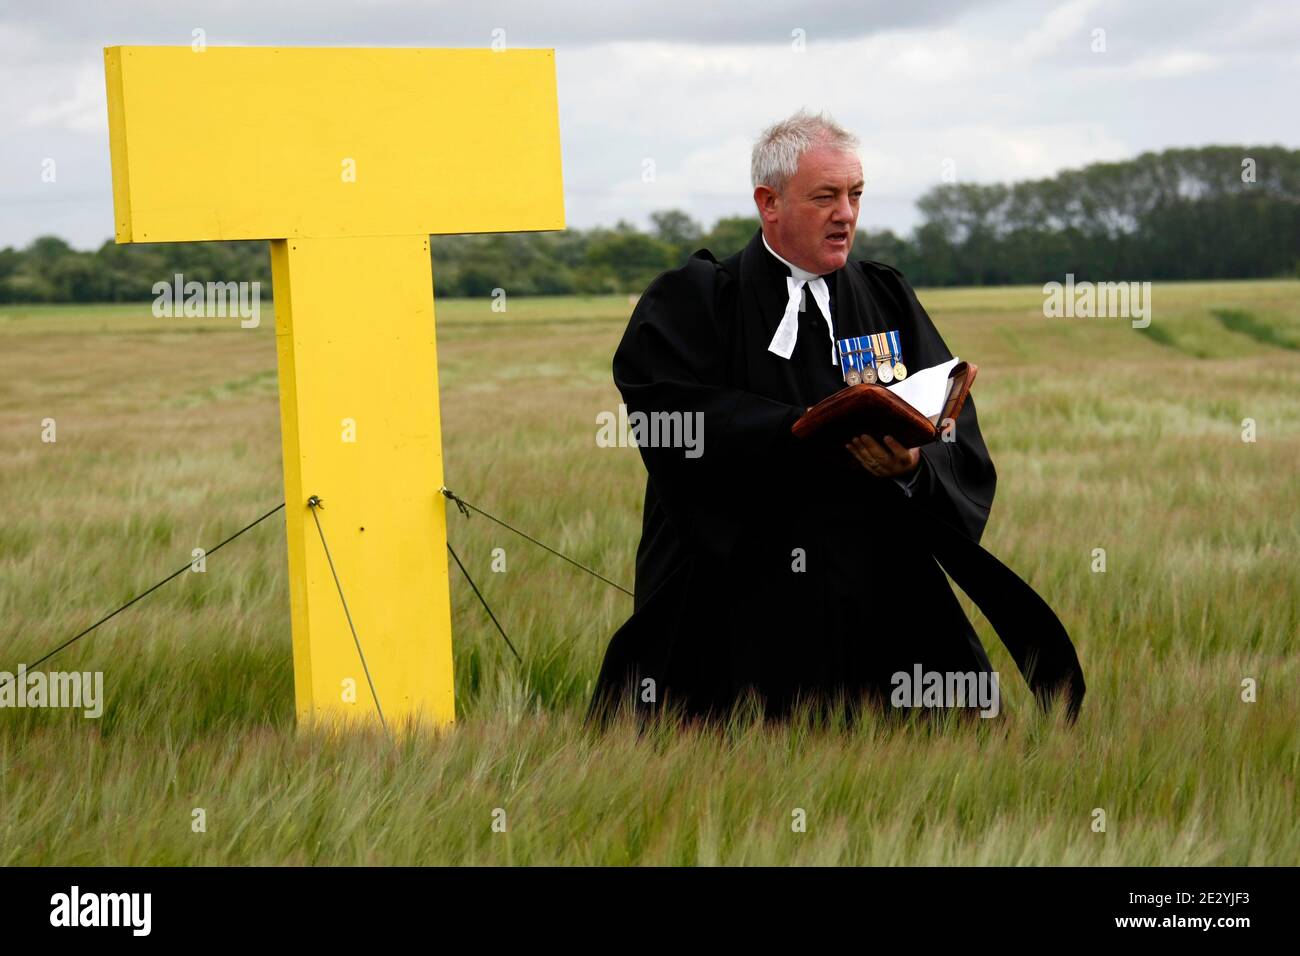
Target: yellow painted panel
[[356, 345], [256, 142], [117, 144]]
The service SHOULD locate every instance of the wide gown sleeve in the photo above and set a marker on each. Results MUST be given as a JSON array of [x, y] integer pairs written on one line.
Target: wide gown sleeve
[[958, 483]]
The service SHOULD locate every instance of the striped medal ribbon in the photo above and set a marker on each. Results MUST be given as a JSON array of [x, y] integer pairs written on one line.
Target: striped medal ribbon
[[896, 350]]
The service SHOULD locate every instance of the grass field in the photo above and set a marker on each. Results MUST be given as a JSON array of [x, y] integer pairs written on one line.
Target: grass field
[[1104, 436]]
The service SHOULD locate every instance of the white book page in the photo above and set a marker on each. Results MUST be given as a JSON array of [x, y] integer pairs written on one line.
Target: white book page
[[927, 390]]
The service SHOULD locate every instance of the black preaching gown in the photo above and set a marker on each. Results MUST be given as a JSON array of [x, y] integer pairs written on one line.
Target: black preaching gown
[[721, 609]]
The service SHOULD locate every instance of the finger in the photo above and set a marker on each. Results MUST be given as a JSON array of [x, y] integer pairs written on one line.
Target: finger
[[874, 448], [864, 455], [860, 456], [861, 447], [896, 447]]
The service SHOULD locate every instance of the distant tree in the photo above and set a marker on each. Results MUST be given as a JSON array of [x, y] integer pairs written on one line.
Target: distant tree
[[46, 250], [10, 260], [75, 278], [633, 259], [881, 246], [677, 229], [1210, 212], [479, 280], [730, 235]]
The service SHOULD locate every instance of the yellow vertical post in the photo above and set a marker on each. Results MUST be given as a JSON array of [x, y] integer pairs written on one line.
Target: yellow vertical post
[[347, 159]]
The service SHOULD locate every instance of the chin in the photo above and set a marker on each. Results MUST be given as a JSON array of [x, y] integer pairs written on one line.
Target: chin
[[835, 260]]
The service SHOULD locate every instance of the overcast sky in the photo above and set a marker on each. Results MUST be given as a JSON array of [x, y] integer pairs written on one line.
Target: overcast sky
[[1005, 90]]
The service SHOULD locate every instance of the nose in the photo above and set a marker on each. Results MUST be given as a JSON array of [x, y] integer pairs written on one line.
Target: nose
[[844, 209]]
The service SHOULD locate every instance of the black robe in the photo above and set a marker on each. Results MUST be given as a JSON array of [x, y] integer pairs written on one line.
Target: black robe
[[719, 609]]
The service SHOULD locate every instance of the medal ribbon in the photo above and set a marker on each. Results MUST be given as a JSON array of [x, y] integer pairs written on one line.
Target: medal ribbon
[[896, 345], [855, 353], [880, 348]]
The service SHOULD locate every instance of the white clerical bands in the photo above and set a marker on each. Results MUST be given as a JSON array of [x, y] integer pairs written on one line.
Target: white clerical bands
[[788, 331]]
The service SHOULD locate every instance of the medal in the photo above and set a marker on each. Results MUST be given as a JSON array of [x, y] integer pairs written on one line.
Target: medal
[[856, 360], [896, 353], [880, 345], [866, 360], [845, 349]]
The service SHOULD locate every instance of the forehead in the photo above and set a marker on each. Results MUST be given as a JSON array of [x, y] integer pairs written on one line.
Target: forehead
[[824, 163]]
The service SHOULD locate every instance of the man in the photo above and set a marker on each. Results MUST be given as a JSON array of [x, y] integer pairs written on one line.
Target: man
[[774, 569]]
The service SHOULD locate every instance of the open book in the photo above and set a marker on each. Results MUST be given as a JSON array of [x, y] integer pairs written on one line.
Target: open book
[[913, 411]]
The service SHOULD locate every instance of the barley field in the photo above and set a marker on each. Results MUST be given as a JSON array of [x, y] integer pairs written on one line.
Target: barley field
[[1104, 436]]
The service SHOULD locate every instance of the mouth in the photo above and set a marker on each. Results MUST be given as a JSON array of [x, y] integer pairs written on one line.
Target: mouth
[[840, 238]]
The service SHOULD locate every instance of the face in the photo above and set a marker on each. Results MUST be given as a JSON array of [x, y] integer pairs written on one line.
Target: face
[[813, 221]]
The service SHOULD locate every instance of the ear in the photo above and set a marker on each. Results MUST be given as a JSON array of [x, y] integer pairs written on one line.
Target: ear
[[768, 202]]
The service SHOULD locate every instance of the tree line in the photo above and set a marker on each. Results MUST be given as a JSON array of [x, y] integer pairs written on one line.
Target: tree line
[[1215, 212]]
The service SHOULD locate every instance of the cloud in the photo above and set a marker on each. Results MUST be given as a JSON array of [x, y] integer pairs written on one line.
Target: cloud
[[1060, 27], [525, 22], [1173, 64], [1266, 28], [83, 108], [1006, 89]]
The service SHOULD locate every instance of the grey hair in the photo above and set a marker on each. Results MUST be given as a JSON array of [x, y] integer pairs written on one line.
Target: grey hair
[[781, 146]]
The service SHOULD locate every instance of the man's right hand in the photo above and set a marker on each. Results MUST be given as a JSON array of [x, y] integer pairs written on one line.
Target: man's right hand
[[890, 460]]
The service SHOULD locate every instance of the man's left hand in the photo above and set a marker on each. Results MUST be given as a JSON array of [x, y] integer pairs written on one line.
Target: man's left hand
[[890, 460]]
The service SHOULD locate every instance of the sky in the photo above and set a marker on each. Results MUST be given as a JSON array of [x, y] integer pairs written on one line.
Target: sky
[[985, 91]]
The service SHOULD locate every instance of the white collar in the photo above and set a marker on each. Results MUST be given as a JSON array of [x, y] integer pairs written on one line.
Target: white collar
[[795, 271], [787, 332]]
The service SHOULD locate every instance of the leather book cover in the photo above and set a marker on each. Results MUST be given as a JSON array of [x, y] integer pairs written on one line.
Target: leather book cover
[[876, 411]]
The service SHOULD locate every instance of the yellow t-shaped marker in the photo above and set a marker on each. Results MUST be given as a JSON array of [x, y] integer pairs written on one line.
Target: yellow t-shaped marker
[[347, 160]]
